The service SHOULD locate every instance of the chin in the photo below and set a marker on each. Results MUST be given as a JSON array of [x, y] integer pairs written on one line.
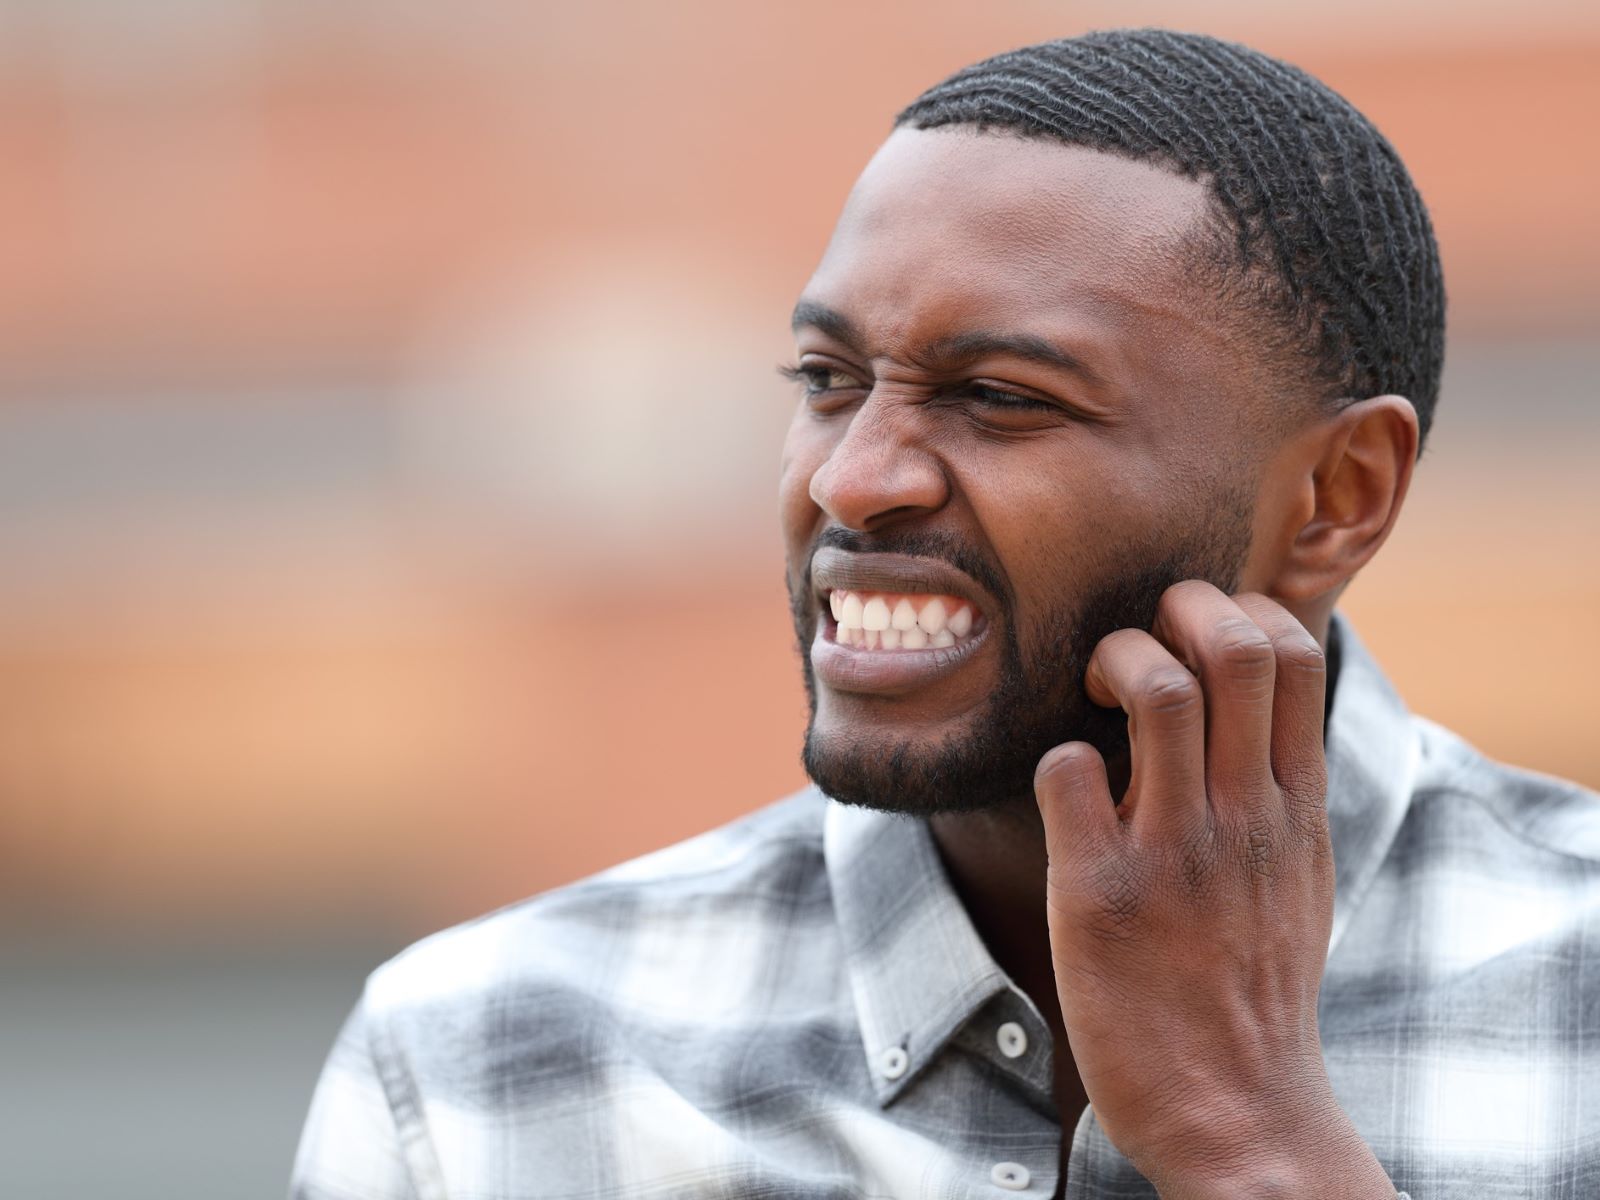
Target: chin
[[886, 754], [867, 723], [915, 771]]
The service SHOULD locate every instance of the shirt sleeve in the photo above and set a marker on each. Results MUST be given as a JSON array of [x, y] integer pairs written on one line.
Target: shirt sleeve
[[351, 1148]]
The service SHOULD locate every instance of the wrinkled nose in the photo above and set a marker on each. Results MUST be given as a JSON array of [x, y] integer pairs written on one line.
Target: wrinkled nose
[[879, 471]]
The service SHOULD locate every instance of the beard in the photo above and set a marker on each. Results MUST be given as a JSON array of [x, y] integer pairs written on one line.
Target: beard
[[1039, 700]]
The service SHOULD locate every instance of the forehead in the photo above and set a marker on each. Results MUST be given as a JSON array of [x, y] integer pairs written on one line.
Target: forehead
[[950, 228]]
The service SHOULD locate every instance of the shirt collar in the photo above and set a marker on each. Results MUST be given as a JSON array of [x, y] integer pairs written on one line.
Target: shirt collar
[[917, 967], [918, 970], [1373, 755]]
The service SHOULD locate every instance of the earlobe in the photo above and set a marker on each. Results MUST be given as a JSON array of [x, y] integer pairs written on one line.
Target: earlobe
[[1356, 486]]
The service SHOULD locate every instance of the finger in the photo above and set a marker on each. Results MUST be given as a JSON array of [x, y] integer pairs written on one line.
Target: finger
[[1129, 669], [1074, 800], [1080, 824], [1299, 699], [1232, 657]]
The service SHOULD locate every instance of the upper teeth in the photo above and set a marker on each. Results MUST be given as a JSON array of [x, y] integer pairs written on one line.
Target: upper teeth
[[888, 621]]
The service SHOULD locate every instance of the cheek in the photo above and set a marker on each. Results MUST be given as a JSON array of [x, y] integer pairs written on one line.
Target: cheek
[[1060, 518]]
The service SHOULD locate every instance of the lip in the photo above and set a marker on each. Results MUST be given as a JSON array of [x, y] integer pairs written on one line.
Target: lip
[[839, 569], [890, 672], [885, 672]]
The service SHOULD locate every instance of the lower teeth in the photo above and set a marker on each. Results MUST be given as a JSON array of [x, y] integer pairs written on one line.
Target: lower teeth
[[893, 639]]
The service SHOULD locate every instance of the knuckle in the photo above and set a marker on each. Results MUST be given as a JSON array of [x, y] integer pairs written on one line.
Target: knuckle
[[1307, 807], [1171, 691], [1119, 896], [1197, 862], [1302, 653], [1261, 849], [1315, 842], [1309, 783], [1241, 648]]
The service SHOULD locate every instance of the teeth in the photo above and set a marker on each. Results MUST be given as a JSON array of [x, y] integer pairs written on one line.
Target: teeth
[[850, 611], [960, 623], [876, 620]]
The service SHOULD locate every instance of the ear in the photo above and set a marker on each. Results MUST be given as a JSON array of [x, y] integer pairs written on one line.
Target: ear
[[1360, 463]]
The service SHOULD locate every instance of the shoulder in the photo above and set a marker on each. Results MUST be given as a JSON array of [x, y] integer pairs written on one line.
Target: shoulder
[[1464, 955], [1543, 815], [636, 935]]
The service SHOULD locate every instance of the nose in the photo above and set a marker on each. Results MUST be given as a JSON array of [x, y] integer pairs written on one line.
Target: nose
[[879, 471]]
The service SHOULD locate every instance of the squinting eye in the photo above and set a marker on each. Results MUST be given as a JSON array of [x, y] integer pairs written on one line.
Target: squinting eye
[[815, 380], [999, 398]]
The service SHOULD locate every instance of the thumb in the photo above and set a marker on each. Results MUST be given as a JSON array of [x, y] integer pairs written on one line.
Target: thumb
[[1074, 799]]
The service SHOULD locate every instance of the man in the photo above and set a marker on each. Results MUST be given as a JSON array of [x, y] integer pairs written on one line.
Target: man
[[1112, 376]]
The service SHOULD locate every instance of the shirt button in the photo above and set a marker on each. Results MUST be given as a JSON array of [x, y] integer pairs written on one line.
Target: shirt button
[[1013, 1177], [1013, 1041], [893, 1062]]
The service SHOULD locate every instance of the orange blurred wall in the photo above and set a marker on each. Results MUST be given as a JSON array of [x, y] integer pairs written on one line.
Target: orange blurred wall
[[519, 638]]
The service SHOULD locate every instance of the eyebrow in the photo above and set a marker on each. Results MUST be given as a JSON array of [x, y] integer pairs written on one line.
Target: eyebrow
[[828, 320], [950, 352], [962, 348]]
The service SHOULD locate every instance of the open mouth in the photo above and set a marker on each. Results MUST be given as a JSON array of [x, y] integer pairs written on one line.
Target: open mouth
[[893, 624]]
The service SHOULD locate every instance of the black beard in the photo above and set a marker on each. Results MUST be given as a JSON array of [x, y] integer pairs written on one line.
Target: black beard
[[1040, 699]]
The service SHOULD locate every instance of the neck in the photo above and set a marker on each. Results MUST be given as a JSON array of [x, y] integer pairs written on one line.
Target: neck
[[996, 861]]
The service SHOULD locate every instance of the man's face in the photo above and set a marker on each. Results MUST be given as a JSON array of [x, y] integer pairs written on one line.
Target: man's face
[[1020, 421]]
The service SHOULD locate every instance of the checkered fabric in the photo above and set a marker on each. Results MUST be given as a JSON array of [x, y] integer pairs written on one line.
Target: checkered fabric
[[796, 1005]]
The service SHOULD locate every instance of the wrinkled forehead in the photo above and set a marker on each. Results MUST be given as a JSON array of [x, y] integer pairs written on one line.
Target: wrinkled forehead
[[952, 224]]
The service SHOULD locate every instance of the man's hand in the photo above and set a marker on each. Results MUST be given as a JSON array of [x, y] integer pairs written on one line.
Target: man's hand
[[1190, 923]]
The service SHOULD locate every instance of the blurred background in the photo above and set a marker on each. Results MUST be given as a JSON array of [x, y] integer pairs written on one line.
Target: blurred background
[[388, 422]]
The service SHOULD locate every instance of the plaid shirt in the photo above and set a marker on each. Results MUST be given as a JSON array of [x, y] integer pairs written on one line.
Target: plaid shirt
[[797, 1005]]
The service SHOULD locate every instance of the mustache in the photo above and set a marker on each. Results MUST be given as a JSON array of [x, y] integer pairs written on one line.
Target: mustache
[[924, 543]]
